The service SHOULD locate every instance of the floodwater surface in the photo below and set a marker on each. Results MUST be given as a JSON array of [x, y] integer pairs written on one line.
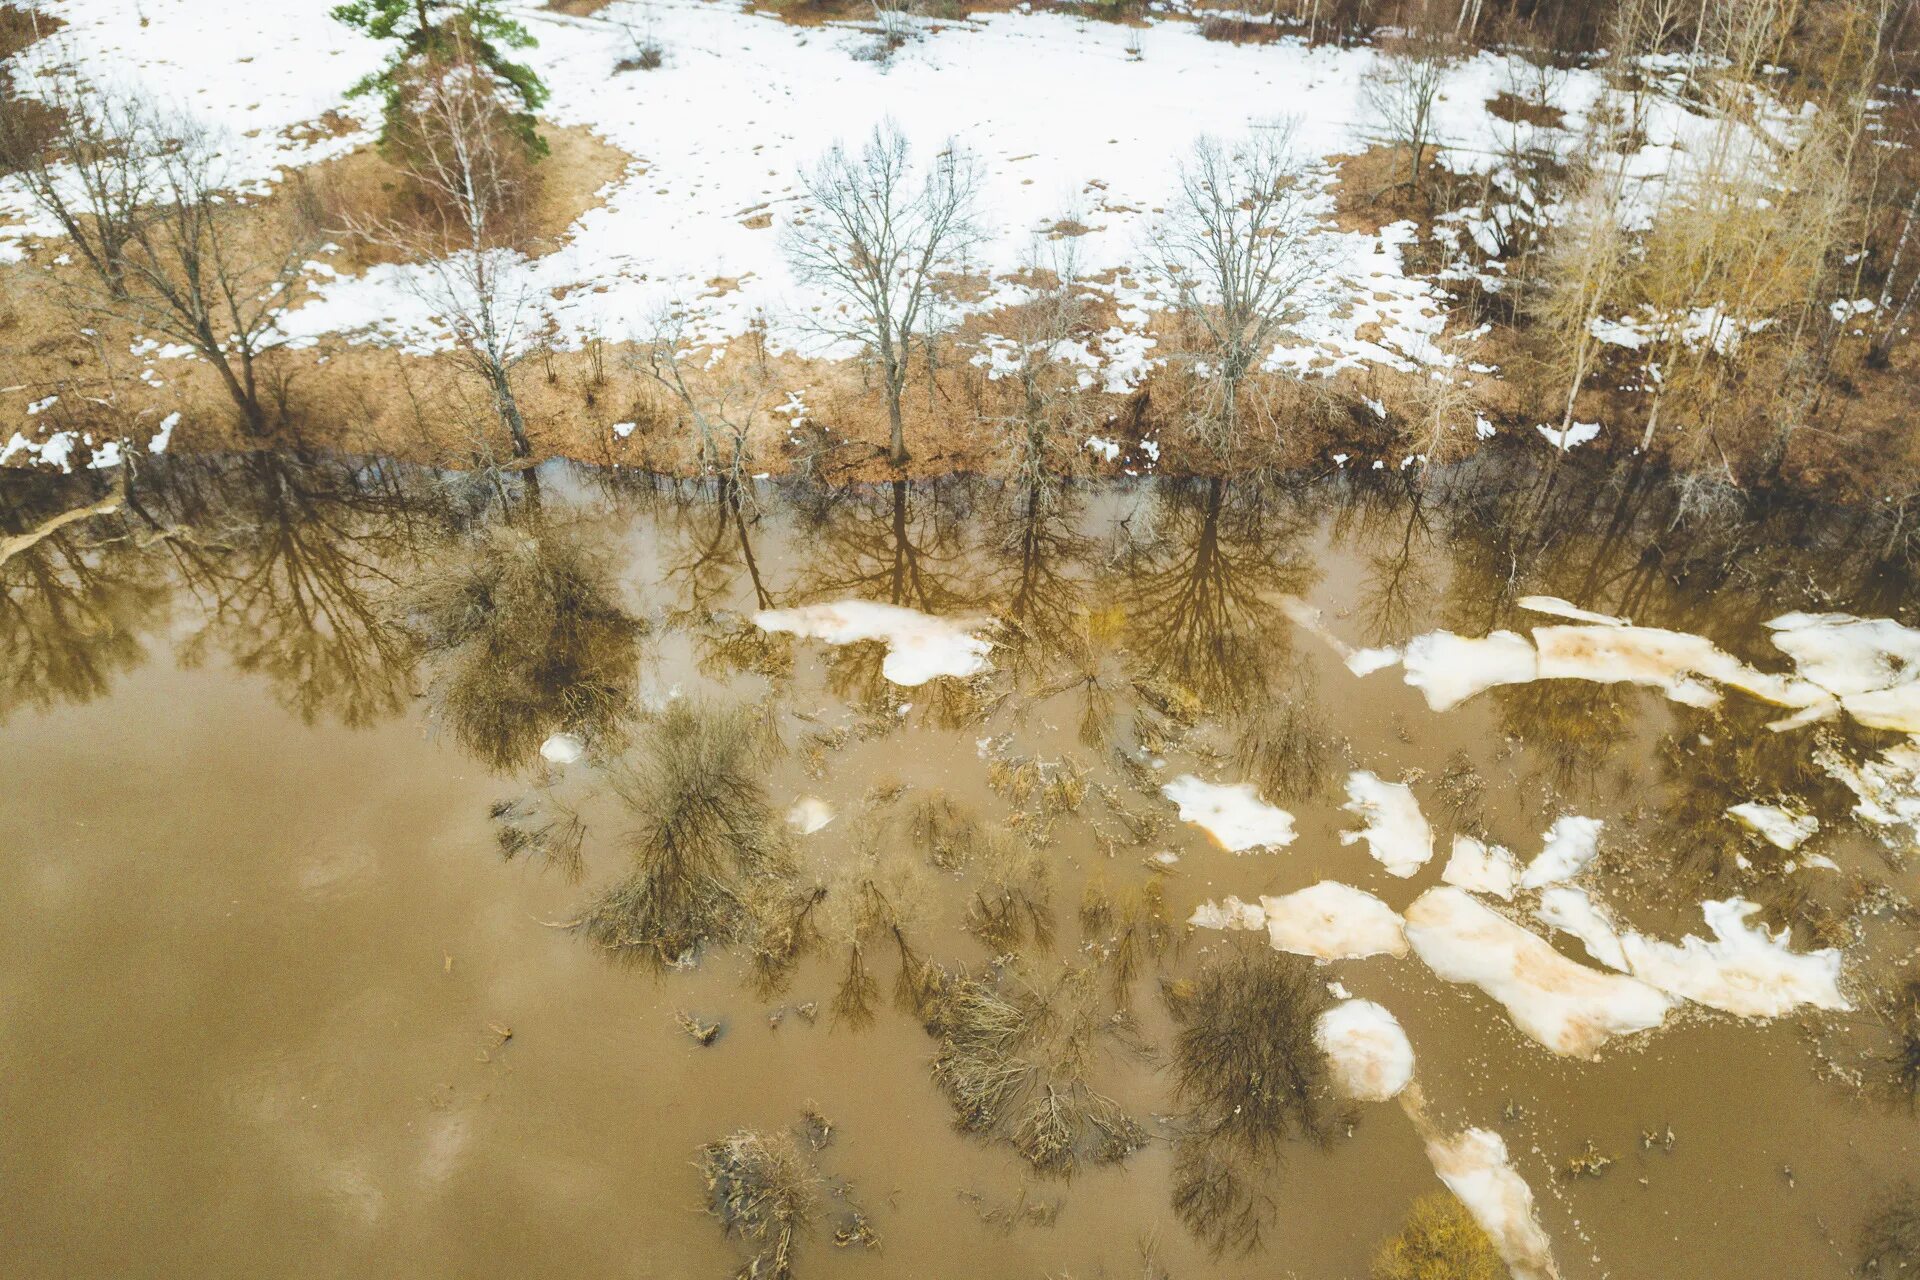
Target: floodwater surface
[[412, 874]]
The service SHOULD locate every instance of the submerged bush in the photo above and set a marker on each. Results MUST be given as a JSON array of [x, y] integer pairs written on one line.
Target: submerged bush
[[1015, 1059], [1440, 1241], [709, 861], [764, 1190], [1250, 1077], [528, 637]]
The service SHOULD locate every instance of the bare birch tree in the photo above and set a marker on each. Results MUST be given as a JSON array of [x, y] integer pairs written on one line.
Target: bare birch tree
[[876, 237], [464, 159], [1237, 246], [723, 399]]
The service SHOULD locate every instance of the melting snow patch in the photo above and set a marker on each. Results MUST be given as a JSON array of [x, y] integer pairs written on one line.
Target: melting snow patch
[[1333, 921], [1481, 868], [919, 646], [1571, 437], [1368, 1051], [1745, 970], [1569, 1008], [808, 815], [163, 437], [1235, 815], [562, 748], [1474, 1165], [1449, 669], [1396, 833], [1780, 827], [1571, 844]]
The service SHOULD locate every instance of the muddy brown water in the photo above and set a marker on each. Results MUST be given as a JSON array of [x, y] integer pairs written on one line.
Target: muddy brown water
[[263, 951]]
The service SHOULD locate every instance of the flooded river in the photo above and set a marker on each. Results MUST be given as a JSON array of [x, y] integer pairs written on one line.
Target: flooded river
[[412, 874]]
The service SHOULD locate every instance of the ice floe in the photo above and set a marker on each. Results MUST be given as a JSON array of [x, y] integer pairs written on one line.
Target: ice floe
[[1572, 911], [808, 815], [1448, 669], [1886, 790], [1328, 921], [1744, 970], [562, 748], [1482, 868], [1232, 813], [1781, 828], [1675, 662], [1569, 1008], [1371, 1058], [1474, 1165], [1554, 606], [919, 645], [1570, 844], [1396, 833]]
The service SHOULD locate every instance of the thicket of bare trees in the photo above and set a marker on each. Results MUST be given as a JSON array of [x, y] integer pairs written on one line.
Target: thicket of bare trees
[[876, 238]]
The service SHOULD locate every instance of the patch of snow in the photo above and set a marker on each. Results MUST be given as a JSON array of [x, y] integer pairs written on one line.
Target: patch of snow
[[1367, 1049], [919, 646], [1396, 833], [1571, 911], [563, 748], [1333, 921], [1571, 437], [1781, 828], [1481, 868], [1233, 814], [1569, 1008], [1474, 1166], [1571, 843], [808, 815], [1744, 970]]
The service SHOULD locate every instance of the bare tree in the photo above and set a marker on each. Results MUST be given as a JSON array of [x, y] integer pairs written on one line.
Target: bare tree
[[1237, 246], [724, 400], [1031, 357], [876, 240], [205, 267], [466, 165], [1402, 92], [92, 173]]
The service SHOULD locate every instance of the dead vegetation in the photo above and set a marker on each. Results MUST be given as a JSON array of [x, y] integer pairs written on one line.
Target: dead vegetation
[[1249, 1078], [1889, 1240], [708, 860], [1440, 1241], [763, 1190], [1017, 1055]]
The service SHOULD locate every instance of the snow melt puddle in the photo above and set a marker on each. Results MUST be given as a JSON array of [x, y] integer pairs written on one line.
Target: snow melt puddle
[[1329, 921], [919, 646], [1396, 833], [1234, 814], [1369, 1053], [1569, 1008]]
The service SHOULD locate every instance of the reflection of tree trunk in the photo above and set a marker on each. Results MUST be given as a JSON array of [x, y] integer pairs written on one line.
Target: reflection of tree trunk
[[763, 598], [902, 554]]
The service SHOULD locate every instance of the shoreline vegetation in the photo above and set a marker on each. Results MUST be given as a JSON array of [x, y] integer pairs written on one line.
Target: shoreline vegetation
[[1645, 231]]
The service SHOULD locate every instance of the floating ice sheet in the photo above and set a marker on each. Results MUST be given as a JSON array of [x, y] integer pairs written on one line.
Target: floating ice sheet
[[1744, 970], [809, 814], [1481, 868], [1333, 921], [1782, 828], [1474, 1165], [1449, 669], [1232, 813], [1569, 1008], [919, 645], [1571, 843], [1396, 833], [1369, 1053]]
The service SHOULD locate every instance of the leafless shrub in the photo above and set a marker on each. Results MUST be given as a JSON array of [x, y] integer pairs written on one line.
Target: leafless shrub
[[764, 1190]]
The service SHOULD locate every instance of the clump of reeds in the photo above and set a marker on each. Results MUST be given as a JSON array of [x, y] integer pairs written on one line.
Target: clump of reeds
[[1249, 1077], [1440, 1241], [765, 1191], [709, 859], [527, 637], [1016, 1057]]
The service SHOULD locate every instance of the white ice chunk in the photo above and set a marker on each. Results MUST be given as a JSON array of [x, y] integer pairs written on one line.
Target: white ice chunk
[[1449, 669], [1558, 608], [1571, 843], [1235, 815], [1474, 1165], [1782, 828], [1364, 662], [1231, 914], [919, 646], [1672, 661], [809, 814], [1569, 1008], [1745, 970], [1368, 1051], [562, 748], [1333, 921], [1396, 833], [1847, 655], [1572, 911], [1886, 790], [1482, 868]]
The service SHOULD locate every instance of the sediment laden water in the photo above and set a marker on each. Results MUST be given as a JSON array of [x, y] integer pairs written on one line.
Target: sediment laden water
[[574, 872]]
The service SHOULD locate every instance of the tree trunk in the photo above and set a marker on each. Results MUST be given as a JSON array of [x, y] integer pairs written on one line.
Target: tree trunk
[[509, 409], [898, 453]]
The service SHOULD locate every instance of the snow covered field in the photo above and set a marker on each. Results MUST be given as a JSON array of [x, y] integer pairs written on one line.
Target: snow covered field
[[1065, 121]]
